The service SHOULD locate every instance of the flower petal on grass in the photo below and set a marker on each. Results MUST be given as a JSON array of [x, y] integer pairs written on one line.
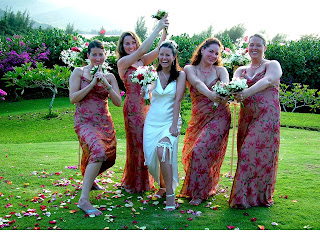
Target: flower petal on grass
[[231, 227], [261, 227]]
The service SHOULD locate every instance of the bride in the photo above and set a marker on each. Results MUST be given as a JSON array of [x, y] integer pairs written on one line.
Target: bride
[[163, 123]]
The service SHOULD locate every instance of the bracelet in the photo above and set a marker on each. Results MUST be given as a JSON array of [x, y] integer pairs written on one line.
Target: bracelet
[[109, 87]]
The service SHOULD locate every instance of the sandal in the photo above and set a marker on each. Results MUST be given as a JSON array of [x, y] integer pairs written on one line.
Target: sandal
[[90, 212], [195, 201], [96, 186], [170, 208], [158, 196]]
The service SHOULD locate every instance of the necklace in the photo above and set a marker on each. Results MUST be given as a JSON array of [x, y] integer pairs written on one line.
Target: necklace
[[204, 72], [165, 77], [256, 67]]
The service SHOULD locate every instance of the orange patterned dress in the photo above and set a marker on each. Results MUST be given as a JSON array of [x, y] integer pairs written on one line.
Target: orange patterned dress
[[205, 145], [136, 177], [94, 127], [258, 143]]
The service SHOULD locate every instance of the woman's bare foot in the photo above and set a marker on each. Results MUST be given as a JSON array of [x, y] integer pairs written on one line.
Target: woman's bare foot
[[159, 194], [88, 208], [195, 201]]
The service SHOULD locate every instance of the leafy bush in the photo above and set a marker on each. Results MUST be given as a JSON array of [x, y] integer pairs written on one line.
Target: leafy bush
[[299, 60], [298, 96], [28, 77]]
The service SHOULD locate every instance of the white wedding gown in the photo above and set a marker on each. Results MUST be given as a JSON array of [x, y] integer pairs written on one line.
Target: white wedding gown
[[156, 127]]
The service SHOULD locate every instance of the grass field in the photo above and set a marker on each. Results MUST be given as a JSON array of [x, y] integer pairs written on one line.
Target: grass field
[[39, 179]]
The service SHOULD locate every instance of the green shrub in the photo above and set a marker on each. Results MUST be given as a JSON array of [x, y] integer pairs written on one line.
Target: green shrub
[[299, 60], [298, 96], [39, 77]]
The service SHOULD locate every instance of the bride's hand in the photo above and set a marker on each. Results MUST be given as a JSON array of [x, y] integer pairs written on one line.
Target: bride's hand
[[174, 131], [143, 91]]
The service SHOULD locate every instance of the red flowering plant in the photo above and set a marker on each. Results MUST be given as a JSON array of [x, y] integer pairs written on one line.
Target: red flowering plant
[[102, 31]]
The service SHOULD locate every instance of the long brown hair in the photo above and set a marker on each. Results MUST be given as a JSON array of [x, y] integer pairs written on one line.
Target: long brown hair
[[120, 49], [197, 56]]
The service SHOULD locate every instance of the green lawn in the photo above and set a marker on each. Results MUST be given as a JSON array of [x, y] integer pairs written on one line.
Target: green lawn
[[39, 187]]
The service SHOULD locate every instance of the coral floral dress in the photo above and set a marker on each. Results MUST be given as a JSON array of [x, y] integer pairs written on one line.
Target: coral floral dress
[[136, 177], [258, 143], [205, 145], [94, 127]]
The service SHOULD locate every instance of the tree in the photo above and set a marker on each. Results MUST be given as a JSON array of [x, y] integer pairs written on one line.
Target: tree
[[70, 28], [141, 29], [12, 23], [234, 33], [28, 77], [280, 38]]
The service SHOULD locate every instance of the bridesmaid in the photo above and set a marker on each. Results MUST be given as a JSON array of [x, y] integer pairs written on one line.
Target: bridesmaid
[[207, 134], [131, 55], [258, 130], [92, 122]]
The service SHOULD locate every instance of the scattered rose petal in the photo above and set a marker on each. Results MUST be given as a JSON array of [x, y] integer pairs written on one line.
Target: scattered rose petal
[[253, 219], [180, 201], [231, 227], [261, 227], [274, 224]]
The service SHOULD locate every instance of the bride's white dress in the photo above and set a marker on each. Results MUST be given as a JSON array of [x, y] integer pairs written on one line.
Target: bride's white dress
[[156, 127]]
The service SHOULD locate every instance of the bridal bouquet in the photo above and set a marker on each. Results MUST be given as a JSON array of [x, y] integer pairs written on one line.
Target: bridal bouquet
[[144, 75], [237, 85], [222, 89], [160, 14], [96, 68]]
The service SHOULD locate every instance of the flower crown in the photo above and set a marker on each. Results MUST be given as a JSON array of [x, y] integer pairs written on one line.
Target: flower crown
[[170, 42]]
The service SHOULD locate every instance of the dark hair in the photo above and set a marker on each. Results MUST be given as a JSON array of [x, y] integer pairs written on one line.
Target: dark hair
[[175, 68], [120, 52], [259, 36], [197, 56], [95, 44]]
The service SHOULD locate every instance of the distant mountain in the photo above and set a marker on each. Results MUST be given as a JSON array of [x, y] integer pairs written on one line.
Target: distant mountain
[[50, 14]]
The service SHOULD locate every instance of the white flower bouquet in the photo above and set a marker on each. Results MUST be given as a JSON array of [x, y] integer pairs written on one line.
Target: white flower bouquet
[[95, 69], [238, 84], [144, 75], [222, 89]]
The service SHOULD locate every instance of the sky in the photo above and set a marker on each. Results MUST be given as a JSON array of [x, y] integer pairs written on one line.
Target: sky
[[294, 18]]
